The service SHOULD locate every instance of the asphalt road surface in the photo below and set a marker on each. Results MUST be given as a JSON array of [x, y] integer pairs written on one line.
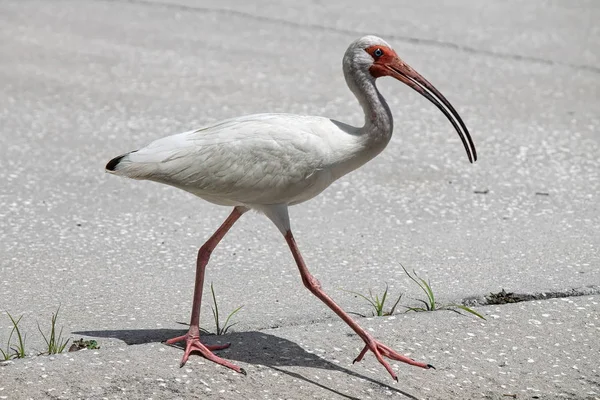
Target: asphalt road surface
[[84, 81]]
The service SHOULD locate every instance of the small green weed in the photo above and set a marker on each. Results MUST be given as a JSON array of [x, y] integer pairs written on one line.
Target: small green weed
[[17, 351], [215, 310], [55, 344], [430, 304], [377, 303], [83, 344]]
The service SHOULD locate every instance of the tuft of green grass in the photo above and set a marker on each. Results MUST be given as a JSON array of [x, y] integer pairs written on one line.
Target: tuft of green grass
[[55, 344], [430, 304], [377, 303], [17, 351], [221, 330]]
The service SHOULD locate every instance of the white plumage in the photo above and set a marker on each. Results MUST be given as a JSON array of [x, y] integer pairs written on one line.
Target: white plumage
[[254, 160], [268, 162]]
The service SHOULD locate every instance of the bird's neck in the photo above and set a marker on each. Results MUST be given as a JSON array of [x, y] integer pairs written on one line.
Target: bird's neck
[[379, 123], [366, 142]]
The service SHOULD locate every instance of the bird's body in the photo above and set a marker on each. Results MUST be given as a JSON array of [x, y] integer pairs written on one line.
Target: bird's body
[[268, 162], [255, 160]]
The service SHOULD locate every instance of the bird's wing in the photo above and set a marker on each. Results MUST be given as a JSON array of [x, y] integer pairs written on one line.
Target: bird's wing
[[259, 159]]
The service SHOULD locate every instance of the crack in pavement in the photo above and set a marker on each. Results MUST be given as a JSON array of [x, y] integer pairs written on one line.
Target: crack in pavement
[[400, 38], [504, 297], [473, 301], [491, 299]]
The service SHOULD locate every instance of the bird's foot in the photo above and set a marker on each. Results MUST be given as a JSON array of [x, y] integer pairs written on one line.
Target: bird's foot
[[380, 350], [192, 343]]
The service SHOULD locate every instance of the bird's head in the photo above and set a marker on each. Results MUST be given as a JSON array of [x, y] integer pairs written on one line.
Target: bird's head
[[371, 57]]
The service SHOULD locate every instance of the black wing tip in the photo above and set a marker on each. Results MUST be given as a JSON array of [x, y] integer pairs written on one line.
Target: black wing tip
[[112, 164]]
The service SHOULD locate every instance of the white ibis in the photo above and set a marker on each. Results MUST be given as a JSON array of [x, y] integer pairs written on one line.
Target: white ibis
[[268, 162]]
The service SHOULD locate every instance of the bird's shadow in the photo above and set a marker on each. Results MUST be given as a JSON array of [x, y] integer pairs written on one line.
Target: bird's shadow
[[249, 347]]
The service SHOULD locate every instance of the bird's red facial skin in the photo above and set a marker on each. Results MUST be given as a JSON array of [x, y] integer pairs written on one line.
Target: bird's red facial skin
[[379, 69]]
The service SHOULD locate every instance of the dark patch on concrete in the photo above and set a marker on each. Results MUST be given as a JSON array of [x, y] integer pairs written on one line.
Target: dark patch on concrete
[[504, 297]]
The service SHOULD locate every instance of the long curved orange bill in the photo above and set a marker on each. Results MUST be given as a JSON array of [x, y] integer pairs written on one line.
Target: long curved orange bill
[[405, 74]]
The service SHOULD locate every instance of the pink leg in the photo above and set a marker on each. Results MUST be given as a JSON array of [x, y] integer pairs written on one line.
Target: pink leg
[[375, 346], [192, 338]]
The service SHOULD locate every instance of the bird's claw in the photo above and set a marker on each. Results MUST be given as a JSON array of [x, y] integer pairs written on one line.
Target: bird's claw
[[380, 350], [193, 344]]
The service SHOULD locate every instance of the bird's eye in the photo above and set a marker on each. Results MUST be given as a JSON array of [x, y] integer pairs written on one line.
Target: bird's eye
[[378, 53]]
